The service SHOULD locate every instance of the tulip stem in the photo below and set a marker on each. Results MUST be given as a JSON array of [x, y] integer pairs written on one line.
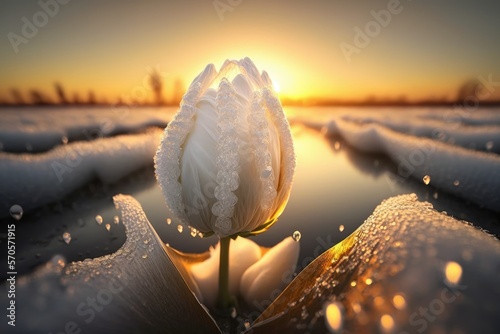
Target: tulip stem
[[224, 298]]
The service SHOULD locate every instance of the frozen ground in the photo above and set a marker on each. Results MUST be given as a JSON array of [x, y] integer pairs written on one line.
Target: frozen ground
[[339, 181], [50, 152], [454, 150]]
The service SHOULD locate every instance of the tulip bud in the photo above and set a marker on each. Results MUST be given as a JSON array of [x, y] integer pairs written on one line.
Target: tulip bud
[[226, 161]]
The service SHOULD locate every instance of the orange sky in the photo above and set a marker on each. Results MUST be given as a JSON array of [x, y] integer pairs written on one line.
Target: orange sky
[[425, 49]]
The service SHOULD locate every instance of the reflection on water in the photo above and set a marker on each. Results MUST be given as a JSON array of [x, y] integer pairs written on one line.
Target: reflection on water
[[335, 189]]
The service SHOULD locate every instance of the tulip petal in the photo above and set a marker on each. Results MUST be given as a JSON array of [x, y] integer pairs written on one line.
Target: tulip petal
[[266, 278], [134, 290], [287, 171], [198, 178], [406, 266], [243, 253]]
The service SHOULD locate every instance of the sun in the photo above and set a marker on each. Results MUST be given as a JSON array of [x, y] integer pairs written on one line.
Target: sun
[[276, 87]]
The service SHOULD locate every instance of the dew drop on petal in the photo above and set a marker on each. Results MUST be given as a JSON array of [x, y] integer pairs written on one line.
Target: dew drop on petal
[[296, 236], [266, 173], [108, 227], [194, 232], [334, 317], [180, 228], [368, 281], [456, 183], [116, 220], [16, 212], [66, 237], [98, 219], [426, 179], [341, 228], [169, 221]]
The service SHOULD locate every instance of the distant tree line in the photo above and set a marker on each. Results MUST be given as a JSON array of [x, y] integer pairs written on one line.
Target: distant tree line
[[41, 98]]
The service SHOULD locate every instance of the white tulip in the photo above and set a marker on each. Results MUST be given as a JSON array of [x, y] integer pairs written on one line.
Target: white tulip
[[226, 162]]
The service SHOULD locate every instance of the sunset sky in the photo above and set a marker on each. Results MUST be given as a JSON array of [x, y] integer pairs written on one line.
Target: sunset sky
[[426, 49]]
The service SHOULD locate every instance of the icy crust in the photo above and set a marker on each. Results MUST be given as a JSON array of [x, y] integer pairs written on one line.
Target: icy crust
[[134, 290], [407, 267], [41, 129], [422, 146], [32, 180]]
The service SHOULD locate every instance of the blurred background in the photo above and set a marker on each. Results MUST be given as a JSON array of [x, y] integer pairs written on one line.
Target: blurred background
[[318, 52]]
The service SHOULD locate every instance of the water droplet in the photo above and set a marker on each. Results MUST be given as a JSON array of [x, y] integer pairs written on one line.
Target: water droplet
[[399, 302], [296, 236], [169, 221], [66, 237], [386, 323], [426, 179], [489, 145], [266, 172], [108, 227], [234, 313], [98, 219], [16, 212], [180, 228], [456, 183], [341, 228], [353, 283], [194, 232], [116, 220], [435, 195], [64, 140], [334, 317], [453, 272], [368, 281], [145, 256]]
